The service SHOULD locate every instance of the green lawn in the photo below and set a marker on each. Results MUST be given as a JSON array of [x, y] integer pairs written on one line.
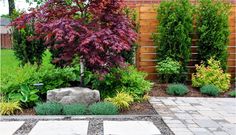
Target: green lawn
[[9, 61]]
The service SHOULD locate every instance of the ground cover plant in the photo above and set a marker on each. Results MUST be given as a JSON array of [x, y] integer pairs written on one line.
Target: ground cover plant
[[232, 94], [213, 31], [74, 109], [48, 108], [177, 89], [210, 90], [173, 39], [103, 108]]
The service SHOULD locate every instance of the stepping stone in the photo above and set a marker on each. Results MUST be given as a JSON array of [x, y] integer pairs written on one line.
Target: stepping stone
[[9, 127], [60, 128], [130, 128]]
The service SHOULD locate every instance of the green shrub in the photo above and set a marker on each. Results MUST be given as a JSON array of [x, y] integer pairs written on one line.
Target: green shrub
[[177, 89], [122, 100], [213, 31], [175, 26], [74, 109], [27, 51], [210, 90], [168, 69], [53, 77], [9, 108], [48, 108], [232, 94], [126, 79], [211, 74], [103, 108]]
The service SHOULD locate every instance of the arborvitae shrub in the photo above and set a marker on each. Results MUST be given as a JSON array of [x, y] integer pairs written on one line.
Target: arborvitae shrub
[[175, 26], [213, 31]]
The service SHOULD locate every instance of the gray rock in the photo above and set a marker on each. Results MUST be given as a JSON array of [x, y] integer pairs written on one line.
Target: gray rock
[[73, 95]]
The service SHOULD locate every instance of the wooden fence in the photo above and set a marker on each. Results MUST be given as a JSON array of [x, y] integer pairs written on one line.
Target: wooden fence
[[6, 41], [146, 53]]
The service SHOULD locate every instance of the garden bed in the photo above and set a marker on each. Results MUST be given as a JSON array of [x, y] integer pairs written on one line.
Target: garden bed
[[137, 108], [159, 90]]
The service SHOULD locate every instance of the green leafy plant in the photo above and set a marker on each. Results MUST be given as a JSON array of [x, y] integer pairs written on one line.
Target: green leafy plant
[[103, 108], [177, 89], [26, 50], [9, 108], [213, 30], [25, 95], [211, 74], [168, 69], [232, 94], [122, 100], [74, 109], [173, 39], [49, 108], [126, 79], [210, 90]]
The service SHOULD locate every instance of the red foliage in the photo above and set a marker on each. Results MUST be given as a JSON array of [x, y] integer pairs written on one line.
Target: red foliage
[[96, 30]]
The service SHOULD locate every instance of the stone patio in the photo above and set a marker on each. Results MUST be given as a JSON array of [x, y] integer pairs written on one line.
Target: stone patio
[[197, 116]]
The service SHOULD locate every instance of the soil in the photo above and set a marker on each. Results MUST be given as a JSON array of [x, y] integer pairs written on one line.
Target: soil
[[159, 90]]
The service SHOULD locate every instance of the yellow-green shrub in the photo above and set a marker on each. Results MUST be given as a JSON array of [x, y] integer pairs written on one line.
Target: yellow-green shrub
[[8, 108], [211, 74], [122, 100]]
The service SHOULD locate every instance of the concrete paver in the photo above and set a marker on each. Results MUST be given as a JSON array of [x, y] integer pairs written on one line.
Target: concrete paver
[[197, 115], [130, 128], [9, 127]]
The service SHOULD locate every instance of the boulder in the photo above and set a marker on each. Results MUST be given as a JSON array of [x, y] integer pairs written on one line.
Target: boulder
[[73, 95]]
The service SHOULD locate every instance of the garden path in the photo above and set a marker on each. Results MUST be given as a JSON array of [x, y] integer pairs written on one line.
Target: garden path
[[83, 125], [196, 115]]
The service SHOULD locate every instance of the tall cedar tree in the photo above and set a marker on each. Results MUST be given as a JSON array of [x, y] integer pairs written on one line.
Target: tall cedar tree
[[96, 30]]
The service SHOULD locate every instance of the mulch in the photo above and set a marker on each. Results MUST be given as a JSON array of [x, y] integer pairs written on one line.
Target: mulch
[[159, 90]]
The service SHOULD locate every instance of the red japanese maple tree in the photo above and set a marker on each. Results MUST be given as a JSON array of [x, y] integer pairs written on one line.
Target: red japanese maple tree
[[96, 30]]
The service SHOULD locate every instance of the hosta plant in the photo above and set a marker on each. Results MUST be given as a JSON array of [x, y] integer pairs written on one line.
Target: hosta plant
[[211, 74]]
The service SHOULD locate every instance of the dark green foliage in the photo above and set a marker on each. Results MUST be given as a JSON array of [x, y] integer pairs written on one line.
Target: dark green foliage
[[213, 31], [126, 79], [130, 55], [103, 108], [48, 108], [26, 50], [74, 109], [210, 90], [232, 94], [168, 69], [177, 89], [175, 26]]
